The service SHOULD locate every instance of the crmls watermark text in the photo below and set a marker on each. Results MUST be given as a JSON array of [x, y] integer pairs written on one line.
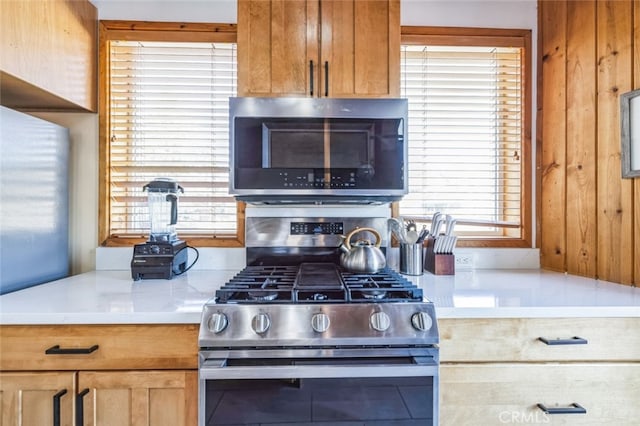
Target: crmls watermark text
[[522, 417]]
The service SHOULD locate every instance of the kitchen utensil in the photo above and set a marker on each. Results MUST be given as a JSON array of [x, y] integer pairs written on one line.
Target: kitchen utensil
[[435, 227], [412, 236], [362, 256], [411, 260], [450, 223], [437, 245], [424, 233], [434, 218], [412, 233], [396, 229], [452, 243]]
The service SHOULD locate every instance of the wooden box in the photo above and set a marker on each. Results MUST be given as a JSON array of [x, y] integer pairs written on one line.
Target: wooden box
[[438, 263]]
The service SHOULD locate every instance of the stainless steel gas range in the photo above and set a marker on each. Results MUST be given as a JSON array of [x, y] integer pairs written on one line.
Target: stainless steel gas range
[[295, 339]]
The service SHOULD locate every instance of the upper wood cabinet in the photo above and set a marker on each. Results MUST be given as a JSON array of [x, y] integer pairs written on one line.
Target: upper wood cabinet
[[48, 54], [319, 48]]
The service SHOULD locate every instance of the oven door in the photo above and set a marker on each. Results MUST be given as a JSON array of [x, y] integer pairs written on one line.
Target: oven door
[[377, 389]]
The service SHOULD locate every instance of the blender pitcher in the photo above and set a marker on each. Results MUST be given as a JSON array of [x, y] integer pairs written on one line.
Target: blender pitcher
[[163, 209]]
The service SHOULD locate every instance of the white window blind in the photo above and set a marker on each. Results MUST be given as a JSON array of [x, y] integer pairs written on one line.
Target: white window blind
[[169, 105], [465, 135]]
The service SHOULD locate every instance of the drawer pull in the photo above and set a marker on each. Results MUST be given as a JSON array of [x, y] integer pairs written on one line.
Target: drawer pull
[[56, 407], [311, 78], [575, 340], [57, 350], [80, 407], [571, 409], [326, 78]]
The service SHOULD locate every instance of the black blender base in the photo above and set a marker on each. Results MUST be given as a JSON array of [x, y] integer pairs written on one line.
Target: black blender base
[[157, 260]]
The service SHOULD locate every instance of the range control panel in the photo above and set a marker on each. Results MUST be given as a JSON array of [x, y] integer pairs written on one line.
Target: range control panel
[[317, 228]]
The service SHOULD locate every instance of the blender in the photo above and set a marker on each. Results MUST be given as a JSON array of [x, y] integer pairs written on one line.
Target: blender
[[163, 255]]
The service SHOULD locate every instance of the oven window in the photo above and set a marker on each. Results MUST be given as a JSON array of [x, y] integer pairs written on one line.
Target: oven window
[[345, 401]]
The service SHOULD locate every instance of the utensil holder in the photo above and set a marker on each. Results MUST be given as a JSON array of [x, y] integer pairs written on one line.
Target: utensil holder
[[411, 258], [438, 263]]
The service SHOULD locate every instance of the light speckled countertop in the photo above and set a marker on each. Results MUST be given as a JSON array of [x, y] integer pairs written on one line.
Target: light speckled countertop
[[111, 297]]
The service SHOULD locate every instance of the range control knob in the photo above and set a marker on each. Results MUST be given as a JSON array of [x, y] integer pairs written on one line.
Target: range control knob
[[260, 323], [380, 321], [320, 322], [218, 322], [421, 321]]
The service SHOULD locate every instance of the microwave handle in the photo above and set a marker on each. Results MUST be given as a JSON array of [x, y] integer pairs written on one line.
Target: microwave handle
[[326, 78], [311, 77]]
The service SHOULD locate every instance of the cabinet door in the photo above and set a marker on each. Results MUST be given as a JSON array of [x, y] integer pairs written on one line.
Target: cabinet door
[[494, 394], [48, 54], [137, 398], [32, 399], [360, 43], [277, 40]]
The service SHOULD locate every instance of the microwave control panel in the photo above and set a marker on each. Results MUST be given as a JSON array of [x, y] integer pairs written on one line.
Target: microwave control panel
[[310, 179]]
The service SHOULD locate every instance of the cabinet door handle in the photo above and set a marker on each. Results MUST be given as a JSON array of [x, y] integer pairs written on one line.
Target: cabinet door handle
[[571, 409], [80, 407], [326, 78], [57, 350], [56, 407], [311, 77], [575, 340]]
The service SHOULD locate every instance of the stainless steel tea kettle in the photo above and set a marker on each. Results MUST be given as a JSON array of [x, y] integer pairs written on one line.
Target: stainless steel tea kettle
[[362, 256]]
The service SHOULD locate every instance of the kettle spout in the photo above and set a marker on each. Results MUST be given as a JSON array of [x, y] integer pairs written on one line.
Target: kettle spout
[[342, 247]]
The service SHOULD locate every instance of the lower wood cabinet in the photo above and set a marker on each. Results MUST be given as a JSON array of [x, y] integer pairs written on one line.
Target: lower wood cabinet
[[158, 398], [504, 371], [502, 393], [102, 375], [109, 398], [37, 398]]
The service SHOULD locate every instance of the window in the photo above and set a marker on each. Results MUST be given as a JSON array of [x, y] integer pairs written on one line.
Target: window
[[166, 92], [469, 121]]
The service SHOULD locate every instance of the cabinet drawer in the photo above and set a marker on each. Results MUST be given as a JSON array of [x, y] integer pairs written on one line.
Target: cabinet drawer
[[119, 347], [497, 394], [517, 339]]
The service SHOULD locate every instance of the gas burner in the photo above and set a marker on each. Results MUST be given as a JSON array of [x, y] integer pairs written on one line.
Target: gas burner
[[375, 295], [316, 282]]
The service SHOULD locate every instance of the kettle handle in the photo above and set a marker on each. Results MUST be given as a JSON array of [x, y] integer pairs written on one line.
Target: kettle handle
[[347, 239]]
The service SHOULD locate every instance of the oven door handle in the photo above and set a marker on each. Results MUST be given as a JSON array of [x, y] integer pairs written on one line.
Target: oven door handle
[[211, 369]]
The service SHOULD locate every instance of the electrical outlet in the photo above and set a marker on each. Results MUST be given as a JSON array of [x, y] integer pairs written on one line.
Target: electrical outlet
[[464, 261]]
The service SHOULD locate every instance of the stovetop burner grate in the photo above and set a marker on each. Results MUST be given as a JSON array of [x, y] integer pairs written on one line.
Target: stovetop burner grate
[[316, 283]]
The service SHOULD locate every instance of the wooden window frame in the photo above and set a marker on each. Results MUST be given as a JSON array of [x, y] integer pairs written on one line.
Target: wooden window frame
[[491, 37], [150, 31]]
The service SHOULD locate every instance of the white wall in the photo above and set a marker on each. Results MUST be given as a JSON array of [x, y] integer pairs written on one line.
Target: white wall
[[218, 11], [451, 13], [83, 187], [521, 14]]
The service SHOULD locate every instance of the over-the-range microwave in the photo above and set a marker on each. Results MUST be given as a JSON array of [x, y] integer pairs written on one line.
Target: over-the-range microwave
[[305, 150]]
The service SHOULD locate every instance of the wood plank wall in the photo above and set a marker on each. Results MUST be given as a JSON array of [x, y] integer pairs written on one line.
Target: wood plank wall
[[588, 217]]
